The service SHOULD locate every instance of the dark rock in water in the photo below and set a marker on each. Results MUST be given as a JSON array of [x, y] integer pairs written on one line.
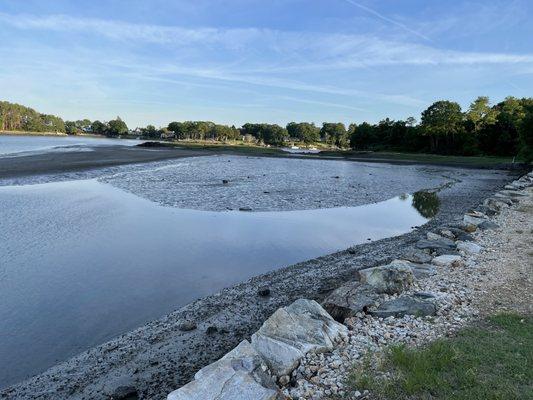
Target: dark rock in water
[[436, 244], [488, 225], [187, 326], [405, 305], [245, 209], [225, 181], [211, 330], [349, 299], [125, 393], [416, 256], [263, 291]]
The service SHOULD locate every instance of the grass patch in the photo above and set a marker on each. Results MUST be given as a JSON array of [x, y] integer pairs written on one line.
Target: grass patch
[[493, 361]]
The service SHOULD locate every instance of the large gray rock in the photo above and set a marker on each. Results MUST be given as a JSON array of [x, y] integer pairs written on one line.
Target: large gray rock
[[239, 375], [350, 299], [488, 225], [448, 261], [469, 247], [420, 271], [416, 256], [446, 244], [293, 331], [461, 234], [469, 219], [405, 305], [392, 278]]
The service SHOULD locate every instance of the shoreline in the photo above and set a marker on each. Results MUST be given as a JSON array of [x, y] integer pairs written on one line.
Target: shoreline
[[49, 162], [159, 358]]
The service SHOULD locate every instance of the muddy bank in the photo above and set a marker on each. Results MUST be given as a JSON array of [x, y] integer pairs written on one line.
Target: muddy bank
[[96, 157], [158, 357]]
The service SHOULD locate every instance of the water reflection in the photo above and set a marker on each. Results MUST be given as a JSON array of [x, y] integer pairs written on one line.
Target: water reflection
[[427, 203]]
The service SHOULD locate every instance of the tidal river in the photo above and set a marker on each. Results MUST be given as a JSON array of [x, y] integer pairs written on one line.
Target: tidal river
[[84, 260]]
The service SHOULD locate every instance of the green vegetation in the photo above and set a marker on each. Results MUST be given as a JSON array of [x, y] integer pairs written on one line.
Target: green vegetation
[[14, 117], [491, 361], [502, 130]]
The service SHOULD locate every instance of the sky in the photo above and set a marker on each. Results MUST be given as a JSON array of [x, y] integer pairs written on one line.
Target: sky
[[275, 61]]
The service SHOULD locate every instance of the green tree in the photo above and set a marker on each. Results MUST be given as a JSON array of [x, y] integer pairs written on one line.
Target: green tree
[[98, 128], [71, 128], [303, 131], [334, 133], [441, 122], [526, 133], [117, 127], [481, 114]]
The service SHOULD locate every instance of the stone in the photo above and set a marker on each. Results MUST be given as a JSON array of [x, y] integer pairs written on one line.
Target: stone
[[225, 181], [448, 261], [245, 209], [263, 291], [424, 295], [405, 305], [186, 326], [469, 247], [435, 244], [416, 256], [461, 235], [293, 331], [240, 374], [350, 299], [433, 236], [488, 225], [392, 278], [447, 234], [473, 220], [422, 271]]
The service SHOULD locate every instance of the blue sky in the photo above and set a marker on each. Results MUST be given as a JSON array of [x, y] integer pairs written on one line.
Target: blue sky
[[236, 61]]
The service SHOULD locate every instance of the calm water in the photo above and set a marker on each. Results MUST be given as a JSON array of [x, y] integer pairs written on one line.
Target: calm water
[[11, 145], [82, 261]]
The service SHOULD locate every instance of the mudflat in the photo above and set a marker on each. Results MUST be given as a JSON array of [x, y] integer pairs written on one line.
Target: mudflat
[[97, 156]]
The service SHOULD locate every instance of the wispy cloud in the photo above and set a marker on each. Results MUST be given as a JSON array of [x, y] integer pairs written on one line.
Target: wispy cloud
[[387, 19]]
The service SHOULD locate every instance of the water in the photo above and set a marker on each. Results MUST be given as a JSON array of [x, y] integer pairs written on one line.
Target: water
[[84, 260], [21, 145]]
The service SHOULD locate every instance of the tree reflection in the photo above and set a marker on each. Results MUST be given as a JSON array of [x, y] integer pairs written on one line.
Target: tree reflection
[[426, 203]]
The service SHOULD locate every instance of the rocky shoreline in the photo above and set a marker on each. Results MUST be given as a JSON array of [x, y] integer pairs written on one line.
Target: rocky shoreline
[[159, 357], [431, 291]]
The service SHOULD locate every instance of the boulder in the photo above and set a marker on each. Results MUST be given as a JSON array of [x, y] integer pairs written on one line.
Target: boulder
[[293, 331], [448, 261], [461, 235], [405, 305], [435, 244], [416, 256], [422, 271], [434, 236], [469, 247], [473, 220], [350, 299], [488, 225], [392, 278], [240, 374]]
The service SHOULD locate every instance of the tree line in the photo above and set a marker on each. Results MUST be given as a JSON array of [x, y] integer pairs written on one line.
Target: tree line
[[15, 117], [503, 129]]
